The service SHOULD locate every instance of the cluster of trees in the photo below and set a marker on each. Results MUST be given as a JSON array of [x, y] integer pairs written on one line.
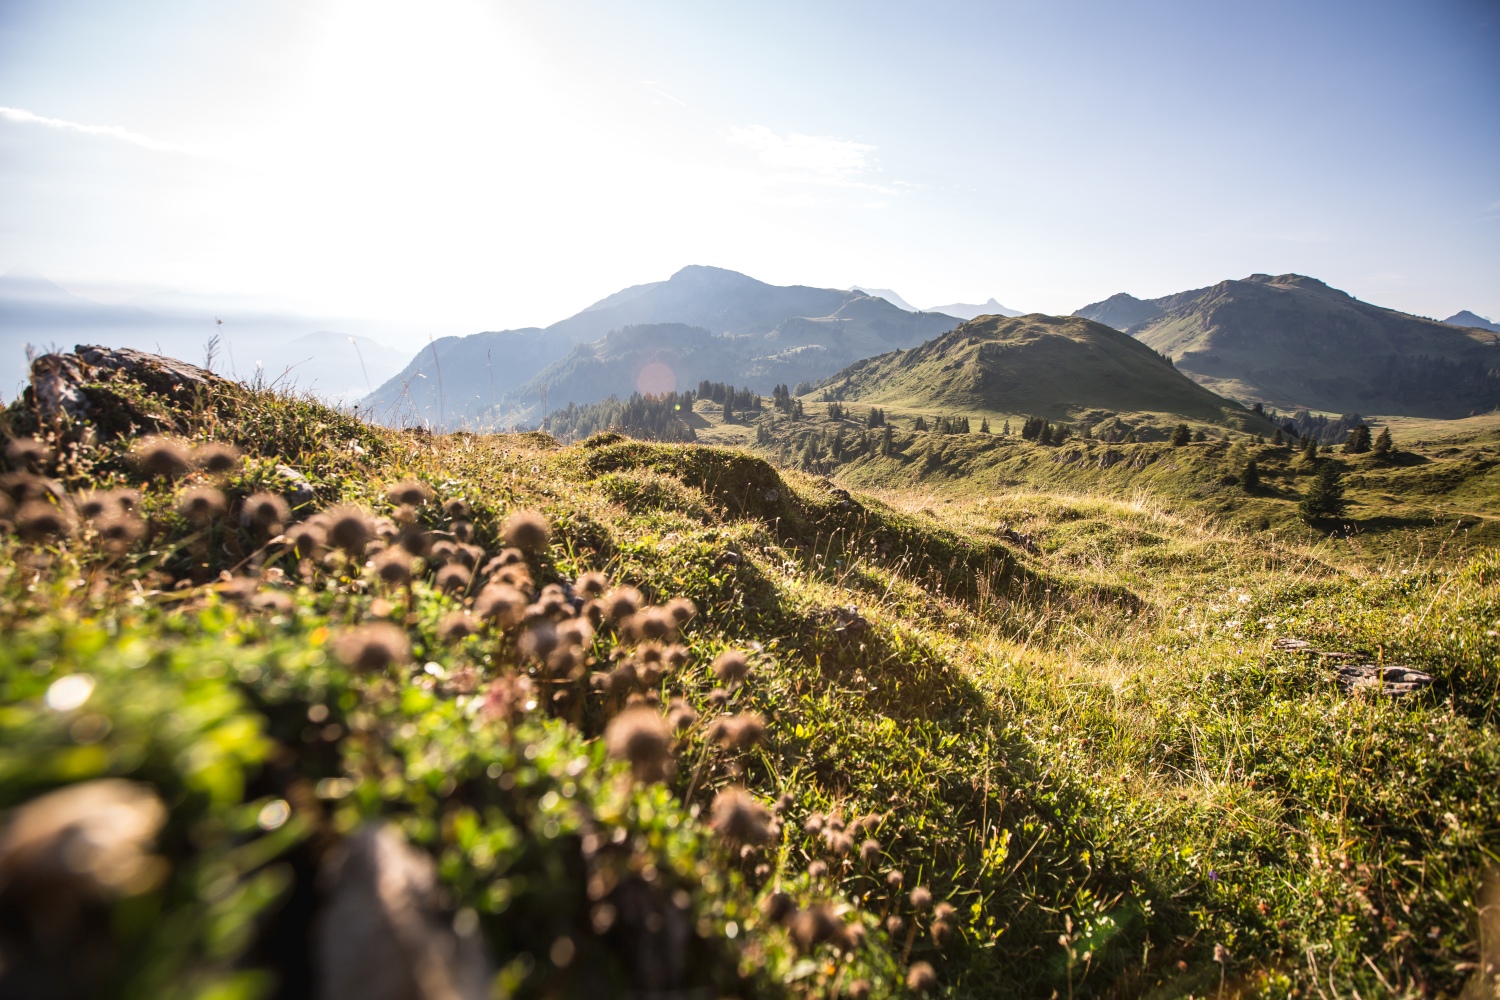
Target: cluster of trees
[[837, 411], [1302, 424], [1039, 430], [1420, 379], [782, 399], [737, 399], [875, 418], [654, 418], [951, 425]]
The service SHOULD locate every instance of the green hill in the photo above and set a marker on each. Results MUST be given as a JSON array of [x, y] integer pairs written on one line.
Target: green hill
[[293, 703], [1053, 366], [1291, 341]]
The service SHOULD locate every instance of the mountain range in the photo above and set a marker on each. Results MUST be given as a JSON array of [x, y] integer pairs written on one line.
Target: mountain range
[[37, 313], [1292, 341], [702, 322], [1051, 366], [1466, 318], [958, 310]]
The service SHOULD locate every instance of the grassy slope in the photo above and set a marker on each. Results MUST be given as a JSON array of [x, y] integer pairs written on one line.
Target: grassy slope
[[1090, 749], [1049, 365]]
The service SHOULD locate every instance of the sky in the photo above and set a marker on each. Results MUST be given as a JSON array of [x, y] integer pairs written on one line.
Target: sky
[[457, 165]]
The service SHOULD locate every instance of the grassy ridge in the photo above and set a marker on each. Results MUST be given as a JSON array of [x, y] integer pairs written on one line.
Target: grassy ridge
[[1080, 739]]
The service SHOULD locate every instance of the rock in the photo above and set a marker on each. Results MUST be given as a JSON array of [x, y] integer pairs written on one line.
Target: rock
[[65, 387], [1025, 541], [298, 491], [1374, 678], [383, 932], [849, 623]]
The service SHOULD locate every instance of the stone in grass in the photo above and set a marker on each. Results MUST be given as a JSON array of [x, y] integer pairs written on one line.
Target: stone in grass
[[1375, 678], [383, 933]]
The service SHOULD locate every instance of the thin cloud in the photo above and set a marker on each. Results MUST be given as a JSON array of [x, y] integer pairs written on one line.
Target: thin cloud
[[111, 131], [655, 88], [817, 158]]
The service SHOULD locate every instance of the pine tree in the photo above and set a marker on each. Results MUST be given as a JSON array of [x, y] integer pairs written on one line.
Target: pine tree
[[1006, 429], [888, 441], [984, 425], [1181, 435], [1310, 448], [1384, 446], [1277, 439], [1250, 478], [728, 409], [1358, 441], [1044, 436], [1325, 497]]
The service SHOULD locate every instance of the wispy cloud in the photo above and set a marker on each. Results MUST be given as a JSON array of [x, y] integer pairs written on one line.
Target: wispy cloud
[[656, 89], [111, 131], [815, 158]]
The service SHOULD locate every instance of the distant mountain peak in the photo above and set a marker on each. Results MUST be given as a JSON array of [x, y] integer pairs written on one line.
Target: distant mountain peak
[[887, 294], [1473, 320]]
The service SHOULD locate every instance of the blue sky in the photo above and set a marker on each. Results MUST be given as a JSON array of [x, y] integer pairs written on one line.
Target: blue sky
[[452, 166]]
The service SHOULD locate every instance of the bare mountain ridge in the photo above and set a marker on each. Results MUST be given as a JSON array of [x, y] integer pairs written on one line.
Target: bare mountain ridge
[[1292, 341], [703, 322]]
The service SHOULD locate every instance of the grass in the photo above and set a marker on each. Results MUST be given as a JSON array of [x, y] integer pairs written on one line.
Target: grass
[[1056, 701]]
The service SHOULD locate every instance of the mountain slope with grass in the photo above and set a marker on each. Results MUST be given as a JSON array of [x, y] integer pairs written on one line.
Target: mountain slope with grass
[[293, 702], [1291, 341], [1121, 311], [1049, 365]]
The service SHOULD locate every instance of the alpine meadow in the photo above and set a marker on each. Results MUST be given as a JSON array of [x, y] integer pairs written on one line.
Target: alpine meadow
[[369, 632]]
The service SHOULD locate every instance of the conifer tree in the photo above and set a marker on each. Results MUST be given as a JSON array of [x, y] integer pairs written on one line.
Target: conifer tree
[[1181, 435], [1277, 439], [1325, 497], [1384, 446], [1358, 441], [984, 425], [1250, 478], [1310, 448], [1006, 429]]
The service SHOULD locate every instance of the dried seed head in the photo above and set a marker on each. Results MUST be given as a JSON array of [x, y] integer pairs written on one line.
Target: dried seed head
[[858, 990], [373, 647], [451, 578], [576, 633], [97, 504], [681, 609], [161, 457], [737, 733], [202, 504], [813, 825], [737, 817], [730, 667], [393, 566], [680, 715], [539, 640], [777, 907], [640, 736], [415, 539], [27, 453], [869, 851], [462, 530], [650, 623], [838, 842], [718, 698], [264, 510], [504, 558], [894, 879], [869, 821], [921, 898], [455, 626], [23, 486], [565, 661], [920, 978], [590, 585], [817, 869], [469, 555], [305, 540], [120, 531], [850, 936], [127, 499], [349, 528], [409, 493], [37, 520], [784, 801], [216, 457], [675, 657], [456, 507], [894, 925], [621, 603], [526, 530], [441, 553], [500, 604], [83, 842], [812, 926]]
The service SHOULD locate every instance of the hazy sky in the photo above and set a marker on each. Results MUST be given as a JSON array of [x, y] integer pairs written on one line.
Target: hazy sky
[[457, 166]]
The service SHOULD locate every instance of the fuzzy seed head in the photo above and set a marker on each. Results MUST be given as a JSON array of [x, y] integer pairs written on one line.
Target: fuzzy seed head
[[202, 504], [273, 601], [681, 609], [590, 585], [393, 566], [539, 640], [738, 818], [621, 603], [526, 530], [216, 457], [120, 531], [680, 715], [373, 647], [921, 898], [462, 530], [894, 925], [161, 457], [456, 507], [817, 869], [777, 907], [27, 453], [452, 578], [730, 667], [718, 698], [350, 529], [920, 978], [894, 879], [869, 851], [500, 604], [265, 510], [858, 990], [37, 520], [737, 733], [455, 626], [640, 736], [409, 493], [306, 540], [812, 926]]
